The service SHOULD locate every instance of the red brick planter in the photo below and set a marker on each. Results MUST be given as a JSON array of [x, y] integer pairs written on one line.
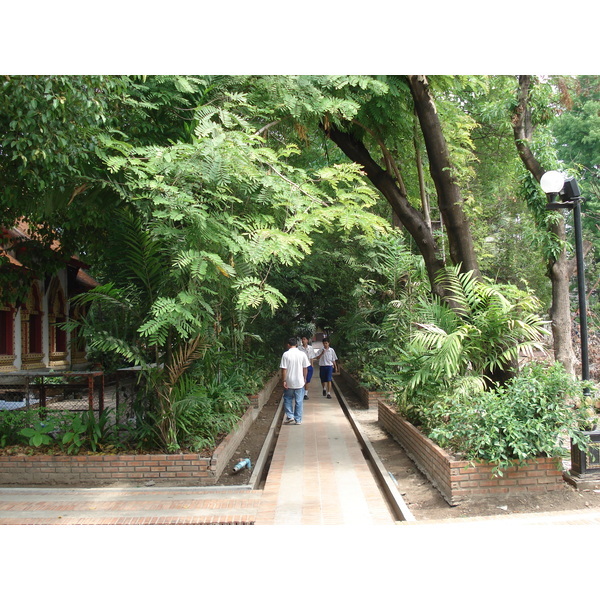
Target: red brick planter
[[96, 470], [369, 398], [99, 470], [459, 480]]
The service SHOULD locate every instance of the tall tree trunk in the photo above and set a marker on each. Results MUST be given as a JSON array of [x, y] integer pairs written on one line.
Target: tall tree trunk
[[409, 216], [450, 201], [560, 272], [422, 191], [561, 269]]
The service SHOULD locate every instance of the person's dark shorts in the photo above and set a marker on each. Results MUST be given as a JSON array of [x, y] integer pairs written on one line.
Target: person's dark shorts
[[326, 373], [309, 374]]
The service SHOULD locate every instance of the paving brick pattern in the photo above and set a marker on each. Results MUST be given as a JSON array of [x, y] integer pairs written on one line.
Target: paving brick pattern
[[318, 475], [128, 506]]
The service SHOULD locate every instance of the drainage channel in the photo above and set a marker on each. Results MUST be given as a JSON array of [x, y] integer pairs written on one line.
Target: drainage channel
[[260, 468], [386, 481], [263, 462]]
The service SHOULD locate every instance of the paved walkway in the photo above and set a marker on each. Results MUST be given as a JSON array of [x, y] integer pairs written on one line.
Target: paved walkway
[[318, 476], [128, 506]]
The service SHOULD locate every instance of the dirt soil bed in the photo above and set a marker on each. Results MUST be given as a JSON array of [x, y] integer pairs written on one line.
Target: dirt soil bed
[[423, 500], [252, 444]]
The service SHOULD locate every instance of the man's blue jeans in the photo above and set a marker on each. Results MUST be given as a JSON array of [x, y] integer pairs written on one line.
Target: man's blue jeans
[[293, 410]]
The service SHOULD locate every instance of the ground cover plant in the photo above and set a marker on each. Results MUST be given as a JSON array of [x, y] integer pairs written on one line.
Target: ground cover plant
[[67, 432]]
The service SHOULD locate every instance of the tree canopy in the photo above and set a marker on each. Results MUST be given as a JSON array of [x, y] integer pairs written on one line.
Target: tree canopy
[[246, 188]]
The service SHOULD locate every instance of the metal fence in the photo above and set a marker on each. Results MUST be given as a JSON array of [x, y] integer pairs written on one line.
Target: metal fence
[[125, 390], [67, 391]]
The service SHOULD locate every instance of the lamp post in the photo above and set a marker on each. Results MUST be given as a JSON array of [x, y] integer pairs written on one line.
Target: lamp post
[[556, 185]]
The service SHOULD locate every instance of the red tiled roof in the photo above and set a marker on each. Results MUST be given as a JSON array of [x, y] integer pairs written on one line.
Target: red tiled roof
[[22, 231], [85, 280]]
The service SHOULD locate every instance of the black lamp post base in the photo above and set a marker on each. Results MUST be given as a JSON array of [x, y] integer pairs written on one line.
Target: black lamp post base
[[585, 464], [582, 482]]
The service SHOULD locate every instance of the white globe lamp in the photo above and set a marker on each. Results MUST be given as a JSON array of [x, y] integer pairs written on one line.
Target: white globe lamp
[[552, 182]]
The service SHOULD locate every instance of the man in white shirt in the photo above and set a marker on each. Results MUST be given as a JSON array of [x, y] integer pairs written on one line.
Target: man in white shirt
[[327, 362], [310, 354], [294, 365]]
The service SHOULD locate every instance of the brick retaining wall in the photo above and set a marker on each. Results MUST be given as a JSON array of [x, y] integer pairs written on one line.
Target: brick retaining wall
[[459, 480], [98, 470], [369, 398]]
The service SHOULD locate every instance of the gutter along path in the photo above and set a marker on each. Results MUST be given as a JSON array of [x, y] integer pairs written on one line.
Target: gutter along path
[[318, 474]]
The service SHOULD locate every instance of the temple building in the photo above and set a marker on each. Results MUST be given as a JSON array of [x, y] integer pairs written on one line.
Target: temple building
[[31, 337]]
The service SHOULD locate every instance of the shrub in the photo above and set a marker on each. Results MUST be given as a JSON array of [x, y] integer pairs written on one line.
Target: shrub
[[69, 431], [88, 431], [203, 408], [526, 418]]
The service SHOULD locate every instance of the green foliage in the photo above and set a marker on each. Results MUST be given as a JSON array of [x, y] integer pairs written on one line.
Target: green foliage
[[74, 438], [53, 136], [207, 223], [48, 124], [11, 422], [87, 430], [577, 128], [34, 427], [385, 281], [498, 209], [531, 416], [481, 326], [40, 433], [208, 412], [497, 323], [204, 405], [69, 432], [432, 348], [216, 208]]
